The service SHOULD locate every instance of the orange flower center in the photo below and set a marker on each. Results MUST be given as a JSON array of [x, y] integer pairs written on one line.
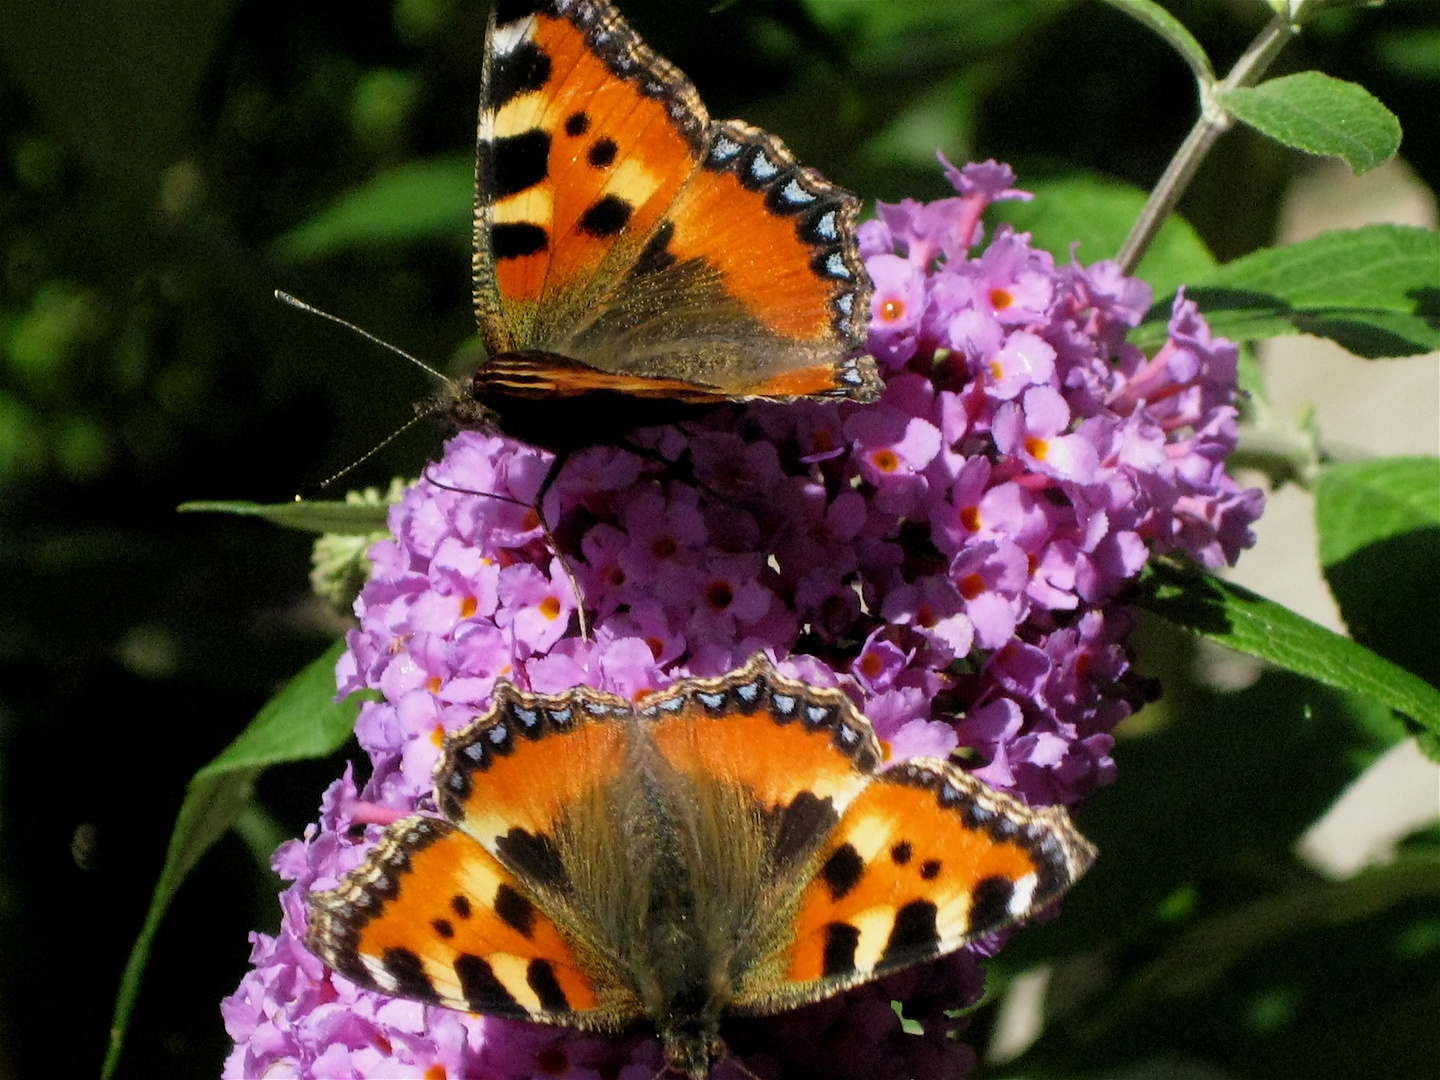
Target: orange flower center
[[887, 461], [720, 596], [433, 684], [468, 607], [550, 608], [1000, 299], [971, 586], [1036, 447], [870, 665], [892, 310], [970, 518]]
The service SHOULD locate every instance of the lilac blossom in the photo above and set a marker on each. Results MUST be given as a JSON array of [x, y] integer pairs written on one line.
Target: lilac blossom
[[950, 556]]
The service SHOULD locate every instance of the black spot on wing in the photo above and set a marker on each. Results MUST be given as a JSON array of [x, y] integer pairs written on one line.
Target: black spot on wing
[[841, 940], [514, 163], [842, 870], [516, 911], [606, 216], [443, 927], [521, 71], [460, 905], [602, 152], [576, 124], [409, 975], [483, 991], [930, 869], [541, 977], [914, 931], [990, 903], [533, 857], [515, 240], [900, 853]]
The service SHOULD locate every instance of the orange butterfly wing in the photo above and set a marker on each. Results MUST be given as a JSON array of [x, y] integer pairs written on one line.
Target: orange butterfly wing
[[617, 228], [925, 860], [468, 912]]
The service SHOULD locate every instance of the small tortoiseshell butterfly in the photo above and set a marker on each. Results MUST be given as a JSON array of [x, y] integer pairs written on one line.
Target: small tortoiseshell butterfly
[[727, 847], [633, 258]]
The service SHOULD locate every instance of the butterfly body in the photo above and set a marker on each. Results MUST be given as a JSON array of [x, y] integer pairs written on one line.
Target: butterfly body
[[727, 847], [626, 246]]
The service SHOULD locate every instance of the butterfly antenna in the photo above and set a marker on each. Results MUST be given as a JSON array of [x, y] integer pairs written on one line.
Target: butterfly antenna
[[544, 531], [295, 302], [315, 489]]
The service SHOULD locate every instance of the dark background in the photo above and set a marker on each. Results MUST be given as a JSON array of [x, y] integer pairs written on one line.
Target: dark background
[[154, 156]]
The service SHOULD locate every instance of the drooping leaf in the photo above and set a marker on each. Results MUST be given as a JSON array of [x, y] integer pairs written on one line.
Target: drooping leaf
[[303, 721], [1248, 623]]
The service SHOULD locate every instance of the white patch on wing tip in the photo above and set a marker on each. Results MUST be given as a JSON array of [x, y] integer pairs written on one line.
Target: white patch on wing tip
[[380, 973], [507, 38], [1022, 895]]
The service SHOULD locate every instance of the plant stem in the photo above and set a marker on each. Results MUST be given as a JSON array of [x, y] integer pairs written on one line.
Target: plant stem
[[1214, 121]]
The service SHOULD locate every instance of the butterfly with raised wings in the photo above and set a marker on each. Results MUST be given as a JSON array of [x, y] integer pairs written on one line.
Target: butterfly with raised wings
[[635, 260], [725, 847]]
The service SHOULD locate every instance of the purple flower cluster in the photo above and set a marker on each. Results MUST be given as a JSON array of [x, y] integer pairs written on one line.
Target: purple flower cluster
[[950, 556]]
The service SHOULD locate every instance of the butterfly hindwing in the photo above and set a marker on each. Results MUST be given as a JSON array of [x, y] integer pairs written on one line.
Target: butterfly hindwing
[[432, 916], [754, 282], [925, 860]]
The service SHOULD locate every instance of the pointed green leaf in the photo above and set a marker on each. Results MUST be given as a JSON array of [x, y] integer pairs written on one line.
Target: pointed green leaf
[[1250, 624], [302, 721], [1374, 290], [1319, 115], [320, 516], [415, 201]]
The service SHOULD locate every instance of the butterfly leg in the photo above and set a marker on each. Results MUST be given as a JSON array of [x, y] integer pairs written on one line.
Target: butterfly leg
[[551, 475]]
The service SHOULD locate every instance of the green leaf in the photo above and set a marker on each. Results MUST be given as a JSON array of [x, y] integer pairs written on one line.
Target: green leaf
[[1169, 28], [415, 201], [302, 721], [1364, 502], [1099, 214], [1374, 290], [1318, 114], [320, 516], [1251, 624], [1379, 528]]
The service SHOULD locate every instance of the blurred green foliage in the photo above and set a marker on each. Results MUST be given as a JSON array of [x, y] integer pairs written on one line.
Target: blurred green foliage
[[165, 166]]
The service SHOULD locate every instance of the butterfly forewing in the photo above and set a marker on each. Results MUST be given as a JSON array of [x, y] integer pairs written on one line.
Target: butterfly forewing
[[585, 138]]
